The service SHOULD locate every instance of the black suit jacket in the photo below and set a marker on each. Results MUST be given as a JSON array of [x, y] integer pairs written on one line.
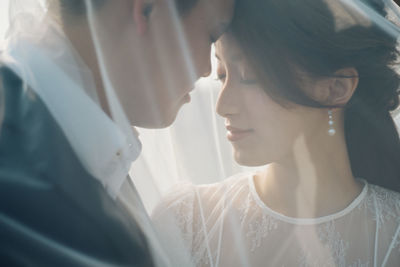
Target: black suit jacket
[[52, 212]]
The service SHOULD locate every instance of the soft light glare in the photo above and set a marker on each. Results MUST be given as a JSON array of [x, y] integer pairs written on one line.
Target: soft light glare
[[3, 19]]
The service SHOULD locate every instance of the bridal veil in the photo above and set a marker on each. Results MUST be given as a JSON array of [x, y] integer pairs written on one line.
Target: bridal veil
[[192, 151]]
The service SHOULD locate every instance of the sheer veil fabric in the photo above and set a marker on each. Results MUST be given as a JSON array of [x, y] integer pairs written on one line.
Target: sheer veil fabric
[[223, 223], [38, 51], [227, 224]]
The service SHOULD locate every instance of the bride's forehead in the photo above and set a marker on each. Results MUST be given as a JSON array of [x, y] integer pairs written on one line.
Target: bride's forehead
[[228, 49]]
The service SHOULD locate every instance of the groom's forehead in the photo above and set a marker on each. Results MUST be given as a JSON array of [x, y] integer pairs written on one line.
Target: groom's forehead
[[185, 6], [216, 12], [219, 14]]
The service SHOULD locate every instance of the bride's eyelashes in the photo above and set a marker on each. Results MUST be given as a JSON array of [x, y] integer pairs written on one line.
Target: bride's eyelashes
[[246, 78], [248, 81], [222, 78]]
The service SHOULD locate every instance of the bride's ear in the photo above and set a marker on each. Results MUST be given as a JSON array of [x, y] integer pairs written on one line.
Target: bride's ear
[[138, 16], [338, 90]]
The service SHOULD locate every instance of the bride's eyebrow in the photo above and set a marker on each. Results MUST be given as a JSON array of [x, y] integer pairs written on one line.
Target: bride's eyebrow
[[235, 57]]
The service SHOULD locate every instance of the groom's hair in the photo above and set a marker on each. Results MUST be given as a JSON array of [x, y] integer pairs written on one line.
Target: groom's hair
[[78, 7]]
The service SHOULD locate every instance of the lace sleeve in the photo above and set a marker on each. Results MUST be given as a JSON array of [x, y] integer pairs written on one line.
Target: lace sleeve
[[387, 217], [173, 220]]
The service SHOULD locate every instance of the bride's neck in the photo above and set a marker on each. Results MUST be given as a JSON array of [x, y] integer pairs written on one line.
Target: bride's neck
[[314, 180]]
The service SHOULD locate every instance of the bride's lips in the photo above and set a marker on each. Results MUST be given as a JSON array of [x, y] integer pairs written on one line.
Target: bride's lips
[[236, 134]]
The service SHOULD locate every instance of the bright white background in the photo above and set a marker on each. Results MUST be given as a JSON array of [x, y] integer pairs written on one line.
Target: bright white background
[[3, 18]]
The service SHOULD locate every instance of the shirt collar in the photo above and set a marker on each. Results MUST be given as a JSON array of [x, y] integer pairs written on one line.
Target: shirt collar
[[66, 87]]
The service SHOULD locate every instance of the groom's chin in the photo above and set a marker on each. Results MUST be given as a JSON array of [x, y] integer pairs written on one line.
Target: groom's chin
[[154, 124], [158, 122]]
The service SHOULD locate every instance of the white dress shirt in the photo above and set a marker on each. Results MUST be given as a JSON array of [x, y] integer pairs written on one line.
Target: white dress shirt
[[51, 68]]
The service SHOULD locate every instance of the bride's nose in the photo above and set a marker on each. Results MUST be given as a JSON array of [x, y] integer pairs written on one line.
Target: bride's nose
[[228, 100]]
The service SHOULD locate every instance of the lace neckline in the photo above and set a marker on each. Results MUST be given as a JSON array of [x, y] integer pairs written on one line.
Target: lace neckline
[[307, 221]]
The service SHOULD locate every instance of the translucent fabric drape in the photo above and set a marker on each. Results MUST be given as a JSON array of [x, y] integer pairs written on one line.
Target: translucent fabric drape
[[188, 230]]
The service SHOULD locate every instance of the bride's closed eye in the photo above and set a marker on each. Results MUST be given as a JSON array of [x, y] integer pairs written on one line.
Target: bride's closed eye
[[246, 78], [222, 77], [248, 81]]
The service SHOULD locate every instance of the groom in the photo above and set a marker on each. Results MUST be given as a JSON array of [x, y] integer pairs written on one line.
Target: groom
[[53, 210]]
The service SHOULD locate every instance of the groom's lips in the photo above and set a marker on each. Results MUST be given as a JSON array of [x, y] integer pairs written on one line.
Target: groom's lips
[[187, 98], [236, 134]]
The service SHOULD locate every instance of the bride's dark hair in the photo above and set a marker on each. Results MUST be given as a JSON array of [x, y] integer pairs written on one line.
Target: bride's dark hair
[[282, 36]]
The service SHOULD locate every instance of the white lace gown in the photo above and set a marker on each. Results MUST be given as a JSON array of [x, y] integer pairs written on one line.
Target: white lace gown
[[227, 224]]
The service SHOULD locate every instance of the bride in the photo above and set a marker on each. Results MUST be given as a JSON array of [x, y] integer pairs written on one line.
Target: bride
[[308, 87]]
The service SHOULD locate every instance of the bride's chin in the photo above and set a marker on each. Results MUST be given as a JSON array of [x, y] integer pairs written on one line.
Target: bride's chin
[[248, 159]]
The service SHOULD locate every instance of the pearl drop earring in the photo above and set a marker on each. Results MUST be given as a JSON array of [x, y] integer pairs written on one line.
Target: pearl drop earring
[[331, 130]]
